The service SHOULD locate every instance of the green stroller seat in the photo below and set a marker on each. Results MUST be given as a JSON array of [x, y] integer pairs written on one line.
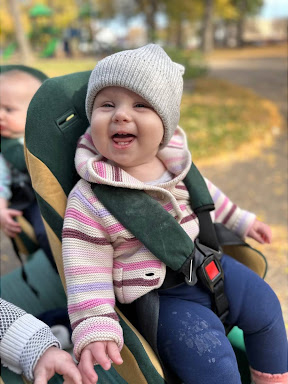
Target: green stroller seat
[[56, 119]]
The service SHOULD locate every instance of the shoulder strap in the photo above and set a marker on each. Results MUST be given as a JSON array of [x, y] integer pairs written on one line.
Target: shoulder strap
[[200, 197], [13, 151], [202, 204], [149, 222]]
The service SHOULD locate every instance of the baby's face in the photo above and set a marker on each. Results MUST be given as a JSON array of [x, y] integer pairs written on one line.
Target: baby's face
[[15, 97], [125, 128]]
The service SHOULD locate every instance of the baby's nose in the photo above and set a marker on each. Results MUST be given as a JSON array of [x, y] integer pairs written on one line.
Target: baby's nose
[[122, 114]]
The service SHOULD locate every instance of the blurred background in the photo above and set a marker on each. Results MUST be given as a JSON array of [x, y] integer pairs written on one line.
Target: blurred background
[[71, 28], [234, 107]]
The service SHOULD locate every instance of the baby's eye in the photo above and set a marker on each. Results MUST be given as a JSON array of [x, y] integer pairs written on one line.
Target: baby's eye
[[107, 105], [140, 105]]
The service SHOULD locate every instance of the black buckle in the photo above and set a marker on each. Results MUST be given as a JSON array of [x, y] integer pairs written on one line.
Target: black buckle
[[204, 265], [197, 264], [210, 272]]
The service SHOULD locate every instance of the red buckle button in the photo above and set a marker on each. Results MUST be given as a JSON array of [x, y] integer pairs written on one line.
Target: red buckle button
[[212, 270]]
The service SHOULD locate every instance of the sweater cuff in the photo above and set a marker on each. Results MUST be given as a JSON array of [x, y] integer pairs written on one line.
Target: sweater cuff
[[96, 329], [243, 223], [18, 336]]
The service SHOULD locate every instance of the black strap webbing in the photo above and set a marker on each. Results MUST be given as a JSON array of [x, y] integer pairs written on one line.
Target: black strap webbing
[[201, 203], [23, 272], [207, 234], [221, 305]]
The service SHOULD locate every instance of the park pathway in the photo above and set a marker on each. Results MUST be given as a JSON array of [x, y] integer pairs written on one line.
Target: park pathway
[[260, 183]]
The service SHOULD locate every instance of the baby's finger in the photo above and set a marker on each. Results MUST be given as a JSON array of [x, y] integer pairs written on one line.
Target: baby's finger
[[71, 375], [114, 354], [10, 233], [15, 212], [14, 228], [100, 356], [41, 377], [73, 379], [267, 236], [86, 368], [13, 223]]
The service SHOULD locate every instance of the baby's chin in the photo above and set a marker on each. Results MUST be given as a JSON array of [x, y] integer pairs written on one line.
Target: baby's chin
[[11, 135]]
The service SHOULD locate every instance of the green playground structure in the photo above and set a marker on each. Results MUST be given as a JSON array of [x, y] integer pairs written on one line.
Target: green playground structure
[[9, 51], [48, 51], [50, 48]]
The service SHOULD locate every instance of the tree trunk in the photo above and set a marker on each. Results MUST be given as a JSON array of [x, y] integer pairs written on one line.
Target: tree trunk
[[242, 7], [239, 33], [207, 29], [26, 54], [179, 32], [151, 20]]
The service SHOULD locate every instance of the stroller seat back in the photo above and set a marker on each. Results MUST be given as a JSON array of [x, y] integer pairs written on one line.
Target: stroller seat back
[[55, 121]]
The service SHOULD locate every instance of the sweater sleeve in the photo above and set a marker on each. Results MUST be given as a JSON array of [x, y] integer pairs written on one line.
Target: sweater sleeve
[[23, 339], [228, 213], [88, 268], [5, 179]]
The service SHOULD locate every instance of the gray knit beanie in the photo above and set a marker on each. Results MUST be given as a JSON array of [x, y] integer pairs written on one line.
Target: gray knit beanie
[[147, 71]]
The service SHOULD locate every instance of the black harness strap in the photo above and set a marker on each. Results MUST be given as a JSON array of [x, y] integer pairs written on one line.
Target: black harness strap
[[207, 234], [23, 272]]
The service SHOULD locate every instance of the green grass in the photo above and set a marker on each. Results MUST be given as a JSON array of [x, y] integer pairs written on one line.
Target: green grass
[[59, 67], [219, 117]]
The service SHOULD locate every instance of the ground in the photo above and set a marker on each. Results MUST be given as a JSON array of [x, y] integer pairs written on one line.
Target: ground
[[257, 179]]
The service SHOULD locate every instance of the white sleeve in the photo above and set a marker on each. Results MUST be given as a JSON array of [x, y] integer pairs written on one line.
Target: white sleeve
[[5, 179], [23, 339]]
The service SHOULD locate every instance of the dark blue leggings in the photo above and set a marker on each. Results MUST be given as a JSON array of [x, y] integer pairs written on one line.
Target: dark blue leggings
[[191, 338]]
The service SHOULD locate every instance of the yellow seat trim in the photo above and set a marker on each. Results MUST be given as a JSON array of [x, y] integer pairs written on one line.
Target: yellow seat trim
[[48, 188]]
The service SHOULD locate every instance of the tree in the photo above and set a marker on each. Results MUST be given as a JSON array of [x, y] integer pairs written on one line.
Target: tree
[[207, 27], [179, 14], [214, 9], [149, 9], [26, 54], [201, 14], [245, 8]]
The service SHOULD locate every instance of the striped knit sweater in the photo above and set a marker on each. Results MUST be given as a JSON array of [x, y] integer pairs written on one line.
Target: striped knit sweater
[[102, 259]]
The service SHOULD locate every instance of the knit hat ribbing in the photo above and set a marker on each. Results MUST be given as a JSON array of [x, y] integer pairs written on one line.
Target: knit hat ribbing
[[147, 71]]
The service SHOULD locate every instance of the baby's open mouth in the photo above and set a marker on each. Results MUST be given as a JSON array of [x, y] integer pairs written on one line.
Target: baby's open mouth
[[123, 138]]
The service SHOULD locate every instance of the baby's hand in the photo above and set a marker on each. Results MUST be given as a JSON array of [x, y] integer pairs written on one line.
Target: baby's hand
[[8, 225], [54, 360], [99, 352], [260, 232]]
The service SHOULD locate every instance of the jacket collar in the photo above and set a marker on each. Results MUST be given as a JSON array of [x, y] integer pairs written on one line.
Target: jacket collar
[[94, 168]]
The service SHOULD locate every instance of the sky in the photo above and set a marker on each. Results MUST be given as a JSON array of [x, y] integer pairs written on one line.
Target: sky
[[274, 9]]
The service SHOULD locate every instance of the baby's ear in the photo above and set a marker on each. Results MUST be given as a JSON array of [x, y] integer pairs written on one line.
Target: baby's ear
[[180, 67]]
